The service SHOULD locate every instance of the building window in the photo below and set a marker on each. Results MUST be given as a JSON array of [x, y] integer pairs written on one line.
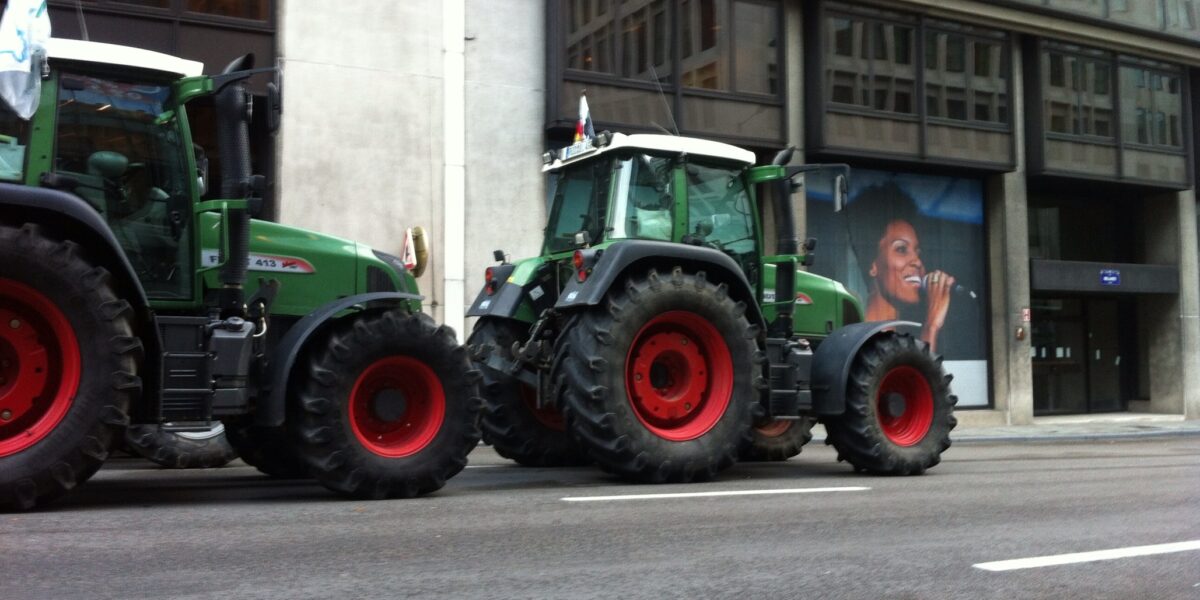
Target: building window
[[1077, 93], [708, 67], [1151, 107], [242, 9], [958, 93], [881, 75]]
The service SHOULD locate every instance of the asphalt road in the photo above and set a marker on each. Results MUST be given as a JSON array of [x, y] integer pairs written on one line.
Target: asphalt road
[[501, 531]]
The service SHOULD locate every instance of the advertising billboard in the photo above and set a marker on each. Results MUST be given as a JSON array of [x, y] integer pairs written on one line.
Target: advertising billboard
[[912, 247]]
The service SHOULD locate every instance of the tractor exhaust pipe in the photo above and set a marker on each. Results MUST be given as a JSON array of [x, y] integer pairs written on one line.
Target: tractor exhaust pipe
[[786, 241], [233, 104]]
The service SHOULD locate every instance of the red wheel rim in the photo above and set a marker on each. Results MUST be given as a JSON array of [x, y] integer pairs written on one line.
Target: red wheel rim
[[549, 416], [904, 405], [397, 406], [39, 366], [774, 428], [679, 376]]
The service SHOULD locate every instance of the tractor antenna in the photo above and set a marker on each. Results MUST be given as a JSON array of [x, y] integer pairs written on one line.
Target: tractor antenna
[[667, 106], [82, 24]]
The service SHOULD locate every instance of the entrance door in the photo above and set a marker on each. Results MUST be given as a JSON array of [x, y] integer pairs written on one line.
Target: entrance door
[[1077, 356]]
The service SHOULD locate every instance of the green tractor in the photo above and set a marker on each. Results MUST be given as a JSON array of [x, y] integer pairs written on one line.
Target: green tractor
[[655, 337], [131, 297]]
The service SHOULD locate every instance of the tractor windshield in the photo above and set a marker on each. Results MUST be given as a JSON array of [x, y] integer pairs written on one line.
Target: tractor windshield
[[644, 206], [122, 142], [14, 136], [578, 198]]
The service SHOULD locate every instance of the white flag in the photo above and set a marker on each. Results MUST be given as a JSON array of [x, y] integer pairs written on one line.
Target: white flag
[[24, 30]]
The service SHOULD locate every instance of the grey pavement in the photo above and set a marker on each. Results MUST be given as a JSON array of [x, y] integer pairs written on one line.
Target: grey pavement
[[1106, 426]]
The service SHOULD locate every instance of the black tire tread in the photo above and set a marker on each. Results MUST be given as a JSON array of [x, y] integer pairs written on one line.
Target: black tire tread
[[174, 451], [319, 425], [856, 434], [781, 447], [507, 423], [591, 354], [108, 385]]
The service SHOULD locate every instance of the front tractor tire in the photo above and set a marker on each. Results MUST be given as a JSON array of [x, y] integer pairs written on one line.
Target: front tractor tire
[[513, 423], [68, 366], [778, 440], [899, 409], [658, 379], [181, 450], [387, 406]]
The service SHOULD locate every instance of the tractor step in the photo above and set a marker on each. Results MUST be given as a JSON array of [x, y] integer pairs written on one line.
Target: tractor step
[[789, 368], [187, 426]]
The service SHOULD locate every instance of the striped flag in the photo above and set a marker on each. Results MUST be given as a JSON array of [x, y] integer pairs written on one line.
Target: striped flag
[[583, 129], [24, 30]]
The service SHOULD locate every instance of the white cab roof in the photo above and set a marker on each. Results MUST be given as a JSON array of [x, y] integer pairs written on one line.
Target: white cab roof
[[113, 54], [663, 143]]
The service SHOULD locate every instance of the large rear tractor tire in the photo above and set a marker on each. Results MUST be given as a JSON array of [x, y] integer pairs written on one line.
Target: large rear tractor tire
[[387, 406], [68, 367], [658, 379], [512, 422], [778, 440], [268, 449], [183, 449], [899, 409]]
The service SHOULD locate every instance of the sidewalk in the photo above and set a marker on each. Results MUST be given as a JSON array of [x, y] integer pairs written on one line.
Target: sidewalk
[[1109, 426]]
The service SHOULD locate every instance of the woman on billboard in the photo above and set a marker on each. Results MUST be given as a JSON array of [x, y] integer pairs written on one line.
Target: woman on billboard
[[883, 231]]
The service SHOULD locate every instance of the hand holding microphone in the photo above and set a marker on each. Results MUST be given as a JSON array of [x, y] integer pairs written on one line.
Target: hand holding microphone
[[957, 289]]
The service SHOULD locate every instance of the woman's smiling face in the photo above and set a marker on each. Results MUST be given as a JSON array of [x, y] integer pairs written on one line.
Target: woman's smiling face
[[897, 268]]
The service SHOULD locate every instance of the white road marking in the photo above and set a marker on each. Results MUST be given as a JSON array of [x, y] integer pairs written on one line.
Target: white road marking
[[1082, 557], [712, 494]]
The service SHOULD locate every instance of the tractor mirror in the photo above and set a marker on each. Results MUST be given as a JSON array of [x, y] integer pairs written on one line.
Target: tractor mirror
[[201, 168], [275, 102], [840, 193]]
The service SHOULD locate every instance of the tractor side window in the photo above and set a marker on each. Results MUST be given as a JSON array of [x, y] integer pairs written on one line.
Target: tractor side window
[[645, 203], [719, 211], [14, 136], [578, 202], [121, 143]]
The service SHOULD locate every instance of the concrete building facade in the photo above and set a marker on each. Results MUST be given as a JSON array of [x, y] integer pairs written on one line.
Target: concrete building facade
[[1048, 148]]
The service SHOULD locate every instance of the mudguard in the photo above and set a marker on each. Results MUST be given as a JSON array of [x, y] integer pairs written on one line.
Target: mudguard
[[271, 408], [504, 302], [832, 360], [74, 217], [621, 256]]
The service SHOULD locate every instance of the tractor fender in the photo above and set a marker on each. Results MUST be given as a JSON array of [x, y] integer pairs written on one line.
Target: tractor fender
[[833, 358], [504, 302], [71, 216], [621, 257], [271, 409]]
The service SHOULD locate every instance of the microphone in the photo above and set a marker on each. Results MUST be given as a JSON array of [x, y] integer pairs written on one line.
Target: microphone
[[958, 289]]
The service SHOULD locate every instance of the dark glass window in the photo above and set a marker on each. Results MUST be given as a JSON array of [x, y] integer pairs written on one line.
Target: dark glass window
[[115, 140], [14, 138], [1151, 107], [756, 68], [242, 9], [883, 76], [1077, 93], [953, 91]]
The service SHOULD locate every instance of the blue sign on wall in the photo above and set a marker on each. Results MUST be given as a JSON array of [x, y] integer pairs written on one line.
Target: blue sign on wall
[[1110, 277]]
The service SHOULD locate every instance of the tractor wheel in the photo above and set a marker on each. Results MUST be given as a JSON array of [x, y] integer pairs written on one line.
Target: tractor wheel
[[899, 409], [268, 449], [512, 421], [658, 379], [68, 367], [181, 450], [387, 407], [778, 440]]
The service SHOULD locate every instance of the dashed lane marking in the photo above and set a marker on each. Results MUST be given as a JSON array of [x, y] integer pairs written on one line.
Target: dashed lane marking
[[713, 494], [1082, 557]]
